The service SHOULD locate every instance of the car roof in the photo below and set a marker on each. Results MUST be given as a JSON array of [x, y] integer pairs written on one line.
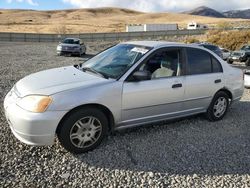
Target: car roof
[[206, 44], [72, 38], [159, 44], [153, 44]]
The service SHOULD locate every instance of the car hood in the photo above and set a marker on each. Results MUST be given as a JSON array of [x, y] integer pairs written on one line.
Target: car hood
[[68, 45], [56, 80], [237, 53]]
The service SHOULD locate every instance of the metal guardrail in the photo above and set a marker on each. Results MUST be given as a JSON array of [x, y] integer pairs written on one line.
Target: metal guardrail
[[91, 37]]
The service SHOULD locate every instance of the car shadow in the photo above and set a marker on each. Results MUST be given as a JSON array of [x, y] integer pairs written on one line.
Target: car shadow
[[84, 56], [87, 56], [184, 146]]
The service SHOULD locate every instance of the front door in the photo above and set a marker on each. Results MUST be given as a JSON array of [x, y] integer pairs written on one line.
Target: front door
[[158, 97]]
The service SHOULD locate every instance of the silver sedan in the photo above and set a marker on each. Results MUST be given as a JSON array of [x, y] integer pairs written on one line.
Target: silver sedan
[[71, 46], [130, 84]]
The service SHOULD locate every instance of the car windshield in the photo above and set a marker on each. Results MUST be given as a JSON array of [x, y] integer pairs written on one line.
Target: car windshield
[[115, 61], [247, 48], [237, 53], [71, 41]]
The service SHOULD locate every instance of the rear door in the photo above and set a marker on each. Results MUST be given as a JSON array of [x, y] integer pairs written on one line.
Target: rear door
[[204, 77]]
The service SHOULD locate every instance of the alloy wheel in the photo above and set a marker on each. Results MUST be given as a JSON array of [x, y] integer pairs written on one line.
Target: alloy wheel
[[85, 132]]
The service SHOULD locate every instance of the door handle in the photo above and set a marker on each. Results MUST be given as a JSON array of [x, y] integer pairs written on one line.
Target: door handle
[[217, 81], [176, 85]]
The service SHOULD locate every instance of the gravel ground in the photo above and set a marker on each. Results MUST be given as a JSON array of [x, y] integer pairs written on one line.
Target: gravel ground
[[185, 153]]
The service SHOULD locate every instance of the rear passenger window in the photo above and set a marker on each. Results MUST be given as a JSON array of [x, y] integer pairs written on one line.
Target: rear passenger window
[[216, 65], [199, 62]]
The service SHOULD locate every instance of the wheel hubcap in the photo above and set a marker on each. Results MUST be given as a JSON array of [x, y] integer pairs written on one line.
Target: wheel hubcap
[[85, 132], [220, 107]]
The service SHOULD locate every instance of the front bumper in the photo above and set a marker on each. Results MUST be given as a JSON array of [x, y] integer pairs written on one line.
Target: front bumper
[[68, 52], [32, 128], [237, 58], [247, 80]]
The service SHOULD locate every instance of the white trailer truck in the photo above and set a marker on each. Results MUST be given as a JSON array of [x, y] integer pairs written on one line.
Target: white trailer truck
[[151, 27]]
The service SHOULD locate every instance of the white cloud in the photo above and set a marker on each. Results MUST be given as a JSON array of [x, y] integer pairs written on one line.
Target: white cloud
[[162, 5], [30, 2]]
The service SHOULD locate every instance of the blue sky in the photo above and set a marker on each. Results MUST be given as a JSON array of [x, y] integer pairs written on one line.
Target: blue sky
[[37, 4], [141, 5]]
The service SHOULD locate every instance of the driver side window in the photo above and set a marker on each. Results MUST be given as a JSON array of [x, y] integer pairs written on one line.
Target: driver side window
[[163, 64]]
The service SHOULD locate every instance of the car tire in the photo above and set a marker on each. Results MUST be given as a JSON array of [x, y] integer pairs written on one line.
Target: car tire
[[83, 130], [218, 107], [247, 63], [81, 53], [229, 61]]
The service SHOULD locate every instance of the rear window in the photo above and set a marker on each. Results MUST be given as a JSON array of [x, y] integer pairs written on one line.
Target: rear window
[[201, 62], [211, 47], [216, 65]]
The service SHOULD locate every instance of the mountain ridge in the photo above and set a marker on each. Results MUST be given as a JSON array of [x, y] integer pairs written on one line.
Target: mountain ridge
[[207, 11]]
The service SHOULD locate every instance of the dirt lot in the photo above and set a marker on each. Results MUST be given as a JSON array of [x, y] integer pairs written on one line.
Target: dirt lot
[[184, 153]]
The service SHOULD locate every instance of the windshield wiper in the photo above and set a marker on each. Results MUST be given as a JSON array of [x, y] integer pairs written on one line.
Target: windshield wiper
[[95, 72]]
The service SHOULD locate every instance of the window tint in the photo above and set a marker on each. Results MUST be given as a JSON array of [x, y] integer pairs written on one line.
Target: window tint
[[199, 61], [216, 65], [211, 47]]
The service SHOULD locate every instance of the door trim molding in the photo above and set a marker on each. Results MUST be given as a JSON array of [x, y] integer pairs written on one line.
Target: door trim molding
[[187, 100]]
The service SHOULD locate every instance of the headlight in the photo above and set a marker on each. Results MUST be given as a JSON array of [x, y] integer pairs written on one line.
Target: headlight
[[35, 103]]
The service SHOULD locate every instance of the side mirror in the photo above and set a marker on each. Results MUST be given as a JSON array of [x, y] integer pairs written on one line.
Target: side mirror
[[142, 75]]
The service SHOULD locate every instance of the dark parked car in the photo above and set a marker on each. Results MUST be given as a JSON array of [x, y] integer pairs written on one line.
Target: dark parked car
[[225, 53], [213, 48], [243, 55]]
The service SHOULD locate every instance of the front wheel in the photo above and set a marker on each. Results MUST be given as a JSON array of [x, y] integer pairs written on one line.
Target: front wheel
[[218, 107], [83, 130]]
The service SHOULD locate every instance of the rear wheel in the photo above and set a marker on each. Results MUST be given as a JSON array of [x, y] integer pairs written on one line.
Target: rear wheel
[[218, 107], [247, 63], [229, 61], [83, 130]]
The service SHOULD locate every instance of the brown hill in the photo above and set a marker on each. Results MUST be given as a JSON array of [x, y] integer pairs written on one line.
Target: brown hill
[[91, 20]]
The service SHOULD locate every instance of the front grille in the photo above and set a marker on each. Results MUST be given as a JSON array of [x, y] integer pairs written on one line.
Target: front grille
[[237, 54], [66, 48]]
